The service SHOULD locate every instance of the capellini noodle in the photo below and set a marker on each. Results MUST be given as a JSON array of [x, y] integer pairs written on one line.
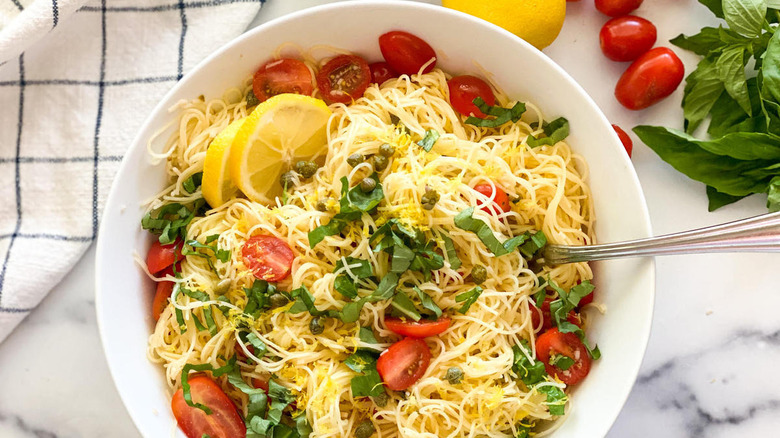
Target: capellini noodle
[[548, 181]]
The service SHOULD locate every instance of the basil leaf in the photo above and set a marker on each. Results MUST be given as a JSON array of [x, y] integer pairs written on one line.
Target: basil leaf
[[706, 41], [773, 198], [449, 248], [529, 371], [386, 287], [304, 301], [209, 317], [427, 302], [465, 221], [361, 361], [358, 200], [180, 320], [770, 70], [468, 298], [402, 256], [345, 286], [502, 115], [353, 202], [728, 116], [534, 244], [703, 87], [405, 306], [332, 228], [726, 174], [368, 384], [731, 71], [367, 335], [216, 372], [364, 270], [192, 183], [170, 221], [746, 17], [430, 138], [556, 398], [555, 131], [302, 425], [715, 6], [718, 199], [561, 362], [259, 347]]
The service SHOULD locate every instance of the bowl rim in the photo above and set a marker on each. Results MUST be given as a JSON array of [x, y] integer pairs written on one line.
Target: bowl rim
[[138, 141]]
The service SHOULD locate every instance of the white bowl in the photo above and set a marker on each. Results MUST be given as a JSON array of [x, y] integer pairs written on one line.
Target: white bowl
[[626, 287]]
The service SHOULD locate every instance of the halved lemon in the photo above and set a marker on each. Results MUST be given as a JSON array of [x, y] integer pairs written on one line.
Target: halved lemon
[[217, 185], [280, 131]]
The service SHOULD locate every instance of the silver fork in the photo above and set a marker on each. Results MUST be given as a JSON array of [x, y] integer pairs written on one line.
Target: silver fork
[[756, 234]]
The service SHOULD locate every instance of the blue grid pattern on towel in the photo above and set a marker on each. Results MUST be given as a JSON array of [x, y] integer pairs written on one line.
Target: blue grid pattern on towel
[[23, 84]]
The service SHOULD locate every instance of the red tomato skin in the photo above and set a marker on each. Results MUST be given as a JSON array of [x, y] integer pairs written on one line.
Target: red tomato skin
[[584, 301], [464, 89], [161, 256], [501, 199], [625, 139], [419, 329], [617, 8], [627, 38], [224, 421], [279, 76], [381, 72], [406, 53], [567, 344], [268, 257], [161, 296], [344, 79], [404, 363], [652, 77]]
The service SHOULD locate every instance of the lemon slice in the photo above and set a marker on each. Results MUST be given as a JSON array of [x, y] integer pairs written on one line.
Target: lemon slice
[[217, 185], [280, 131]]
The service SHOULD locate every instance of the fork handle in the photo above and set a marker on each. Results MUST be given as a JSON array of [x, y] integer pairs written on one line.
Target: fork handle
[[756, 234]]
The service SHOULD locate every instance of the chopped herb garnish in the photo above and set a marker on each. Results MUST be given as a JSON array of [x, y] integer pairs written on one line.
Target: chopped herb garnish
[[345, 286], [427, 302], [556, 398], [258, 297], [216, 372], [555, 131], [529, 371], [430, 138], [533, 245], [367, 383], [192, 183], [170, 221], [566, 302], [352, 204], [465, 221], [259, 349], [405, 306], [449, 248], [561, 362], [358, 267], [502, 115], [468, 298], [223, 255]]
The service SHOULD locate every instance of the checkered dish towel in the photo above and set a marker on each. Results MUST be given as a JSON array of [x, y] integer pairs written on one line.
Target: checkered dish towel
[[77, 79]]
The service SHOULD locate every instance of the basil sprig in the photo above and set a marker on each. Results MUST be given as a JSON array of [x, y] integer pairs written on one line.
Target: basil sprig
[[741, 157]]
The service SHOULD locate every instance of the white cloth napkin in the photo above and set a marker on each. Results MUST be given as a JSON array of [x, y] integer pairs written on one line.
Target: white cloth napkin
[[76, 82]]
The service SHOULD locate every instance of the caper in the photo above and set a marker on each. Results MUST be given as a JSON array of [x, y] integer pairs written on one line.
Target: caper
[[316, 325], [454, 375], [380, 163], [277, 300], [479, 274], [355, 159], [307, 169], [322, 205], [367, 185], [382, 399], [251, 99], [288, 179], [430, 198], [394, 119], [386, 150], [223, 286], [365, 429]]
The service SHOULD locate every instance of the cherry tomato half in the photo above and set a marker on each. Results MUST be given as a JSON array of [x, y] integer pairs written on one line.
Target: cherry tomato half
[[269, 258], [161, 296], [280, 76], [420, 329], [464, 89], [500, 199], [553, 343], [162, 256], [381, 72], [344, 79], [224, 421], [406, 53], [584, 301], [625, 139], [652, 77], [627, 38], [404, 363], [546, 318], [617, 8]]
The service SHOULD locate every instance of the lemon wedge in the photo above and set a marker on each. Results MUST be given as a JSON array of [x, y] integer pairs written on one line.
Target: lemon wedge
[[280, 131], [217, 185]]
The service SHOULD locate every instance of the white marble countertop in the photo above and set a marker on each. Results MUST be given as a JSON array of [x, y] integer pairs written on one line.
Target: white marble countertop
[[710, 365]]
